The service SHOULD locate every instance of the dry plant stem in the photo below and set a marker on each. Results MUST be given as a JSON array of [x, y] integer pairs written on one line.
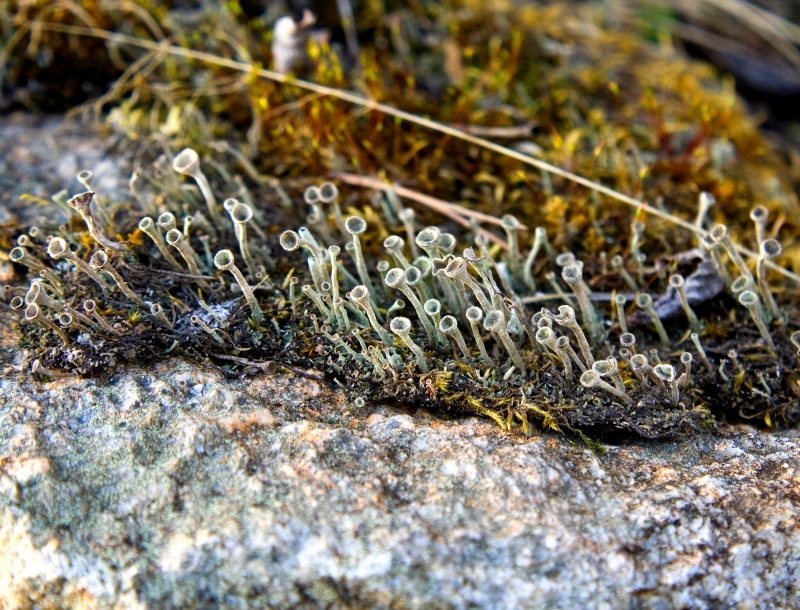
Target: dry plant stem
[[433, 203], [82, 204], [164, 47], [452, 211], [268, 367]]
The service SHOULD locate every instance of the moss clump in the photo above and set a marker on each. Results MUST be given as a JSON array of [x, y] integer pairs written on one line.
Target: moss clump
[[595, 101]]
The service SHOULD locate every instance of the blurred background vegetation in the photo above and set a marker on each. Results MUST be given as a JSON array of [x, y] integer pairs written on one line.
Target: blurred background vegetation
[[604, 89]]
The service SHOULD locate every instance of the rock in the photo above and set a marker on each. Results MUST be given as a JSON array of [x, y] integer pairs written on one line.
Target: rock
[[40, 156], [175, 487]]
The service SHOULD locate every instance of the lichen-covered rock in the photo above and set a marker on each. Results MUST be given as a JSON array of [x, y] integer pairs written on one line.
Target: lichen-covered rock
[[175, 487]]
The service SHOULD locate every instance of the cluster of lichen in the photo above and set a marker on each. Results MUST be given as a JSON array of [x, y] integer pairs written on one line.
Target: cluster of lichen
[[592, 100], [345, 318]]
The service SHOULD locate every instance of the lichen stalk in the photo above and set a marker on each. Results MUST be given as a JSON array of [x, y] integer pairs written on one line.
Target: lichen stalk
[[495, 322], [750, 299], [396, 278], [449, 326], [177, 240], [99, 262], [149, 228], [677, 282], [769, 249], [34, 314], [645, 302], [58, 249], [402, 328], [539, 238], [590, 379], [187, 162], [573, 275], [475, 315], [360, 295], [82, 204], [224, 260]]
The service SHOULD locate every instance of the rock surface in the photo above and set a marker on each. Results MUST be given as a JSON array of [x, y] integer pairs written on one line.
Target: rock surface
[[175, 487]]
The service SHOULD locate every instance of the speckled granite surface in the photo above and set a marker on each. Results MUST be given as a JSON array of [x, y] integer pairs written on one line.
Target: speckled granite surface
[[176, 488]]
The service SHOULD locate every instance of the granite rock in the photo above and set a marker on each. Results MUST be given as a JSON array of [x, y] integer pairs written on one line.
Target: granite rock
[[177, 487]]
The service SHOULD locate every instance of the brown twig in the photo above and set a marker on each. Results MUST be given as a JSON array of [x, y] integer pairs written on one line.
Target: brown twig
[[451, 210]]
